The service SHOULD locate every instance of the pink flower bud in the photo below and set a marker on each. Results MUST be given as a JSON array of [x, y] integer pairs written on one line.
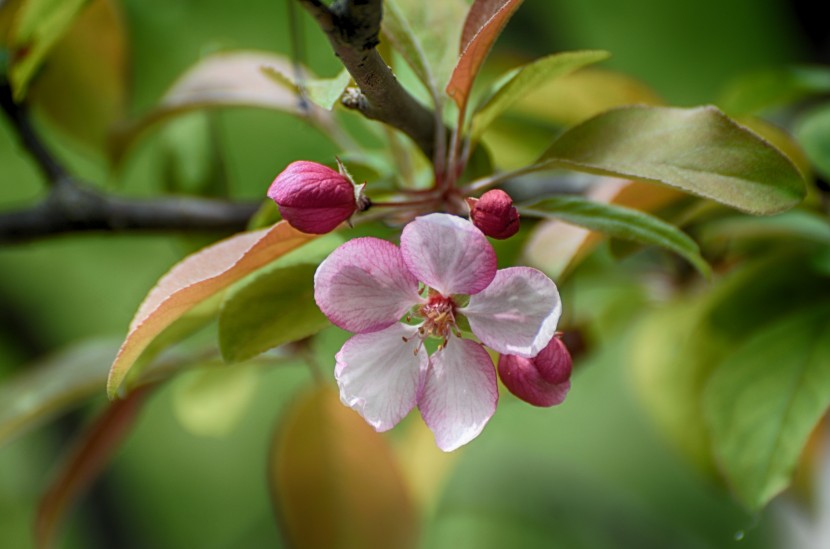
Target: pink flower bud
[[543, 380], [314, 198], [494, 214]]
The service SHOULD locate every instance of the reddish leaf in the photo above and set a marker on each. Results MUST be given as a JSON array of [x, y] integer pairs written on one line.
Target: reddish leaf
[[195, 279], [485, 21], [85, 462], [335, 482]]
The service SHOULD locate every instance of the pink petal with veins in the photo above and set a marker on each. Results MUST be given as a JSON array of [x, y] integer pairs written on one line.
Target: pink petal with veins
[[448, 253], [364, 285], [517, 313], [460, 393], [380, 376]]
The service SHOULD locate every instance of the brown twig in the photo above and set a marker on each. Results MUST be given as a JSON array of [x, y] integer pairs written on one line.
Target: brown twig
[[352, 27], [73, 206]]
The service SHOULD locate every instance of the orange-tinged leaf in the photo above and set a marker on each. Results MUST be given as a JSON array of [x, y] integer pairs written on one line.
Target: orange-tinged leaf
[[485, 21], [195, 279], [335, 482], [85, 462]]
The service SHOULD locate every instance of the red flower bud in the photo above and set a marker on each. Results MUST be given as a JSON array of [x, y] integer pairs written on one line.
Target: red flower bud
[[494, 214], [543, 380], [314, 198]]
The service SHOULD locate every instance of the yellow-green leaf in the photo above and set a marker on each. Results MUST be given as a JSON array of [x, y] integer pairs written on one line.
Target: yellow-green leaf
[[519, 82]]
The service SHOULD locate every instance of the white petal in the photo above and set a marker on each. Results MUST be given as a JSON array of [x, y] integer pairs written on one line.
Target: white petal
[[449, 254], [380, 376], [517, 313], [364, 285], [460, 393]]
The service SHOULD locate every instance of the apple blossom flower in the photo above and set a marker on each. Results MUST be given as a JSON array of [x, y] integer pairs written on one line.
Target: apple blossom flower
[[315, 199], [543, 380], [396, 298], [494, 214]]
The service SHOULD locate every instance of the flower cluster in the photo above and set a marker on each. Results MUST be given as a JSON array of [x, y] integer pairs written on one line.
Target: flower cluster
[[440, 282], [315, 199]]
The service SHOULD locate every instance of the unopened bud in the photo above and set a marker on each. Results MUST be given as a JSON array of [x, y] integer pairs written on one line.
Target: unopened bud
[[494, 214], [314, 198], [543, 380]]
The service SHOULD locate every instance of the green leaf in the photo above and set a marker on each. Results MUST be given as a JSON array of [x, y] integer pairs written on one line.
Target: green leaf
[[43, 390], [619, 222], [519, 82], [274, 308], [763, 401], [753, 92], [329, 467], [699, 150], [40, 24], [396, 29], [436, 29], [323, 92], [813, 132], [275, 305]]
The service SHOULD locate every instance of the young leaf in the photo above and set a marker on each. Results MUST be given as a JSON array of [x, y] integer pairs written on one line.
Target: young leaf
[[580, 95], [421, 32], [87, 459], [328, 467], [485, 21], [38, 26], [763, 401], [397, 30], [220, 80], [619, 222], [274, 308], [195, 279], [699, 150], [524, 80], [323, 92]]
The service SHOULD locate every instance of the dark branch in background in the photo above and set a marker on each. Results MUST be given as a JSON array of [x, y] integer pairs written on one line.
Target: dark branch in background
[[72, 206], [352, 27]]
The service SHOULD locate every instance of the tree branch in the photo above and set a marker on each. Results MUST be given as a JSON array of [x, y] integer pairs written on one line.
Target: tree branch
[[72, 206], [79, 208], [352, 27]]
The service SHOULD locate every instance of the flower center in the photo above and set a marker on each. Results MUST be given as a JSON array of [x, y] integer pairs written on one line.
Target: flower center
[[439, 316]]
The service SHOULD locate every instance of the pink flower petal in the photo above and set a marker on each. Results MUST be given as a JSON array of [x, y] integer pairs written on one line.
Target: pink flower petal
[[380, 375], [364, 285], [448, 253], [543, 380], [460, 393], [517, 313]]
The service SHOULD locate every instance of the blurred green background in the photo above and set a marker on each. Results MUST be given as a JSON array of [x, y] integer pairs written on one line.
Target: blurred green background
[[591, 473]]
